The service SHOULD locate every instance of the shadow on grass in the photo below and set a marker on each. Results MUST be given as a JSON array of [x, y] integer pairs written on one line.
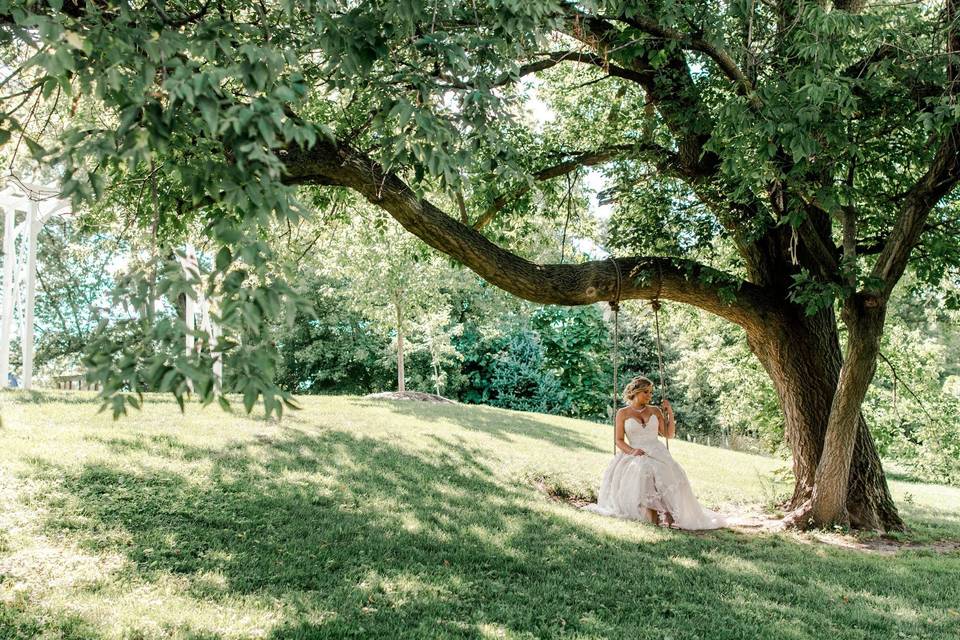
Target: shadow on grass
[[17, 622], [366, 541], [498, 423]]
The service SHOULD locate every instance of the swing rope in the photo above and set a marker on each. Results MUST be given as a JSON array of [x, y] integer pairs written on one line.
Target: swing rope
[[655, 305], [615, 306]]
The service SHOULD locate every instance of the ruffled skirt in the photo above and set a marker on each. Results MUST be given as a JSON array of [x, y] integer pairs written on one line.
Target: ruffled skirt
[[633, 484]]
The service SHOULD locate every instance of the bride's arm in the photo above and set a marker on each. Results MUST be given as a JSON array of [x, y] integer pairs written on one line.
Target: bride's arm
[[668, 425]]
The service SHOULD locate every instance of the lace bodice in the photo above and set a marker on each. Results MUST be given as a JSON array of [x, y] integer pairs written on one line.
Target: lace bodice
[[638, 434]]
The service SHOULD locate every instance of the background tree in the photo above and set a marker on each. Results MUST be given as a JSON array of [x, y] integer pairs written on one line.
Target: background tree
[[393, 280]]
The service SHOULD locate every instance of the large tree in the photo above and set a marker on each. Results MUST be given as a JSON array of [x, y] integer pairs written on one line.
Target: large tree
[[813, 147]]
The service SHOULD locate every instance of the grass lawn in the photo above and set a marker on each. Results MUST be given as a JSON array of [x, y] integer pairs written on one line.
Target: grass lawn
[[356, 518]]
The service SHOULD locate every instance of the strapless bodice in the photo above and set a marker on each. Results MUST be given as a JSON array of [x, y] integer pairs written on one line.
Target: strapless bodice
[[639, 434]]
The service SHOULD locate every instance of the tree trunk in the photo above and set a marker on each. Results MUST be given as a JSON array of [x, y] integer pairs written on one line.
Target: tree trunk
[[864, 317], [803, 359], [401, 381]]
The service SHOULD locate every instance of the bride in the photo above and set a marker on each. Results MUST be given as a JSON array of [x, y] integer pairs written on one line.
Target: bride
[[643, 481]]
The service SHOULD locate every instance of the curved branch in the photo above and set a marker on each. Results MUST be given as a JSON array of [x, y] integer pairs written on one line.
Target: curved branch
[[568, 284], [723, 59], [582, 159], [939, 180], [557, 57], [552, 59]]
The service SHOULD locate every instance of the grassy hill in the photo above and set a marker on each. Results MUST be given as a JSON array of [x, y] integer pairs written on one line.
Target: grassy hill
[[356, 518]]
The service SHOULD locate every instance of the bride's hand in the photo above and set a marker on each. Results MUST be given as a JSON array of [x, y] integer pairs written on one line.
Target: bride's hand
[[639, 452], [666, 406]]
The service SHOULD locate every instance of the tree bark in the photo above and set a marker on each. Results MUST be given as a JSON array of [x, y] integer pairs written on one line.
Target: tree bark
[[864, 316], [803, 358]]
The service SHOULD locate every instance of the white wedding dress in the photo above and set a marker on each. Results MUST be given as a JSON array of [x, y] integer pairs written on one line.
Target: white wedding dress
[[633, 484]]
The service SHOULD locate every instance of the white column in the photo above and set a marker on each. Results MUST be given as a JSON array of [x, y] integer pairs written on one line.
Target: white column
[[213, 331], [190, 308], [217, 356], [190, 259], [191, 324], [33, 230], [6, 323]]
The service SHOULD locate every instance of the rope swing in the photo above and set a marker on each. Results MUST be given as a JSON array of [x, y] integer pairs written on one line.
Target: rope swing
[[655, 304], [615, 352], [615, 306]]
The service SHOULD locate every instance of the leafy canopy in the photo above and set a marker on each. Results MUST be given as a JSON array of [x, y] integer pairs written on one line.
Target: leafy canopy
[[714, 122]]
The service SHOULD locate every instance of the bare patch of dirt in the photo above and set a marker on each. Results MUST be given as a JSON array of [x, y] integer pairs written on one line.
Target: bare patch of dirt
[[882, 546], [410, 395], [559, 493], [749, 521]]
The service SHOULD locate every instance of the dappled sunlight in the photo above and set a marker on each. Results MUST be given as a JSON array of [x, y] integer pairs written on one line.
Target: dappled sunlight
[[276, 531], [46, 566], [686, 563], [736, 564]]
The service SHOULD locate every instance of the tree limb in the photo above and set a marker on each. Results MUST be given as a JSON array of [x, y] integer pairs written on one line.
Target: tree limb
[[570, 284], [575, 161], [942, 176], [723, 59], [552, 59]]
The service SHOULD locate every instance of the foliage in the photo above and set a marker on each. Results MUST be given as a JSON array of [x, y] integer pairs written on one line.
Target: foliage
[[720, 388], [576, 346], [434, 338], [330, 349], [74, 277], [518, 378], [910, 408], [394, 280]]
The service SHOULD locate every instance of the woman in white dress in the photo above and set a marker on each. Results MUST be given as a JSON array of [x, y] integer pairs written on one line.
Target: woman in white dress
[[643, 481]]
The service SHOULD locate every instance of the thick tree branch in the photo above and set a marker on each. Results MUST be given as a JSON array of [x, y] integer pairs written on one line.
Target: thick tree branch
[[822, 254], [569, 284], [859, 69], [942, 176], [670, 87], [850, 6]]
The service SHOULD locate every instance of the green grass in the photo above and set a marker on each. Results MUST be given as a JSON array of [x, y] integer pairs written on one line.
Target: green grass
[[354, 518]]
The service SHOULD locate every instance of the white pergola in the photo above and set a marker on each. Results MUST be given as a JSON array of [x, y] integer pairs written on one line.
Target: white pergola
[[37, 203], [200, 307]]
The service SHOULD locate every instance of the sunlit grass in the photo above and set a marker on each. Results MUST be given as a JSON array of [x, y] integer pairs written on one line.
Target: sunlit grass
[[354, 518]]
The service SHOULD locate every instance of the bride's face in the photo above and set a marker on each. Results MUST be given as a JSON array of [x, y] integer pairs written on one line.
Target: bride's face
[[644, 396]]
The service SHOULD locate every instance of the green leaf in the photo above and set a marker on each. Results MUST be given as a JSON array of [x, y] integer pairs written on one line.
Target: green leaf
[[37, 151], [250, 394], [224, 258], [327, 132]]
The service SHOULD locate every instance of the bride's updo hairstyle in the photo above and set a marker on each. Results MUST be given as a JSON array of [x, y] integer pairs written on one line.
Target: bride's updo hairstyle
[[636, 385]]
